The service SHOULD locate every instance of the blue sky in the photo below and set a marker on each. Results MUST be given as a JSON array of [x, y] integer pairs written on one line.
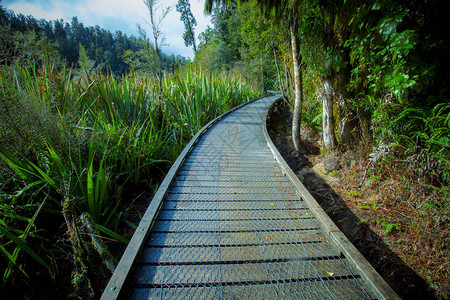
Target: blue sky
[[115, 15]]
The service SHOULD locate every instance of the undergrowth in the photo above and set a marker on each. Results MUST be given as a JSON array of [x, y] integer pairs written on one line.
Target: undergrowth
[[406, 201], [391, 199]]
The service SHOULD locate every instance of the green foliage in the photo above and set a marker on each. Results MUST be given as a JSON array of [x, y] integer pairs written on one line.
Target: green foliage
[[196, 98], [388, 227], [23, 38], [184, 8], [353, 194], [22, 47], [86, 65], [312, 116], [17, 238], [427, 132], [389, 80], [145, 59], [384, 68], [93, 141], [219, 49]]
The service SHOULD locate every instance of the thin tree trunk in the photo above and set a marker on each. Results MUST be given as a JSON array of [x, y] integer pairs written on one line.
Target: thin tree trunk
[[349, 120], [288, 77], [262, 75], [329, 137], [278, 70], [296, 120]]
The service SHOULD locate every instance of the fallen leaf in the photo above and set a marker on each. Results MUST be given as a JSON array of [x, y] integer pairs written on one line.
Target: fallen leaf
[[275, 233], [267, 238], [330, 274], [272, 204]]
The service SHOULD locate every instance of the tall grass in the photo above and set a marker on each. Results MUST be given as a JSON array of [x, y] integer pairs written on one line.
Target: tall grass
[[193, 98], [95, 142]]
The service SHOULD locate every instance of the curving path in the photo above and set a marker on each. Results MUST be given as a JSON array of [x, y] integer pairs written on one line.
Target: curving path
[[231, 221]]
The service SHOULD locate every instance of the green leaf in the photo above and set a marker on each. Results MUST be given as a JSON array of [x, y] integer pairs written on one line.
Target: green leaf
[[12, 260], [21, 246], [111, 234]]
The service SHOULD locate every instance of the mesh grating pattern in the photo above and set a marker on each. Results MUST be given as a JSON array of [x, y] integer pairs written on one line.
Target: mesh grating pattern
[[232, 226]]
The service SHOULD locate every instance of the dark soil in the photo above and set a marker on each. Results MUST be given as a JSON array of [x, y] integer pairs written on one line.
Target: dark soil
[[340, 195]]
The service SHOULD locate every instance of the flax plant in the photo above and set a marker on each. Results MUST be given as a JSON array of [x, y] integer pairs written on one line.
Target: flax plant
[[193, 98], [94, 141]]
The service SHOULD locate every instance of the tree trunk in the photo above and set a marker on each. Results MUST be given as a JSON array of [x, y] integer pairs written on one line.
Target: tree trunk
[[278, 70], [287, 76], [329, 137], [262, 76], [348, 124], [348, 119], [296, 120]]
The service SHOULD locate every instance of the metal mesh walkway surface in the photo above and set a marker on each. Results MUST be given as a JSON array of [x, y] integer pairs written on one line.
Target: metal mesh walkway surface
[[232, 225]]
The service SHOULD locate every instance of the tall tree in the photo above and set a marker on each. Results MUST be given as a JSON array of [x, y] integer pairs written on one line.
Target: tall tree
[[334, 32], [155, 24], [184, 7], [291, 14], [144, 58]]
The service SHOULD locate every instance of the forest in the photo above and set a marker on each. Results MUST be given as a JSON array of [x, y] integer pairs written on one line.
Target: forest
[[91, 121]]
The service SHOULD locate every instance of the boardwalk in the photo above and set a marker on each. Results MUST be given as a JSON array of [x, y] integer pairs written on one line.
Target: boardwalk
[[231, 222]]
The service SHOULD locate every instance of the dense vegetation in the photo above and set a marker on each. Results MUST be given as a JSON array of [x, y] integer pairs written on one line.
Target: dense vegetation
[[23, 35], [89, 120]]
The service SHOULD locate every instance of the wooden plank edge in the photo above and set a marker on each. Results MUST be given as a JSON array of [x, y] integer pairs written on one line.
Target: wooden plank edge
[[368, 273], [120, 276]]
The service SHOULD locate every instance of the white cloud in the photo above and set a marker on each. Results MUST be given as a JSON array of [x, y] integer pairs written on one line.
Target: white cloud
[[115, 15]]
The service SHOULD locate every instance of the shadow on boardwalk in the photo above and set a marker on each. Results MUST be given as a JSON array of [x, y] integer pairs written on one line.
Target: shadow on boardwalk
[[402, 279]]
